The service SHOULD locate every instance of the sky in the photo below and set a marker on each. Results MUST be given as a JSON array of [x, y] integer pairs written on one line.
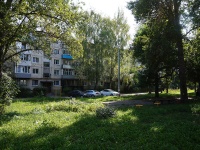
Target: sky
[[110, 8]]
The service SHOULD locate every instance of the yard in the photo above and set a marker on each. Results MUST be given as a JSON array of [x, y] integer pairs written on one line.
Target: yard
[[61, 123]]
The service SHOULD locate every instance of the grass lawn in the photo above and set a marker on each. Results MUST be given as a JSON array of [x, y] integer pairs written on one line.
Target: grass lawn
[[60, 123]]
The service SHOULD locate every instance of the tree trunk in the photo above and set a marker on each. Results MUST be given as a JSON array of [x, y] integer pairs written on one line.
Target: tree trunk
[[179, 44], [156, 85], [1, 71], [167, 85]]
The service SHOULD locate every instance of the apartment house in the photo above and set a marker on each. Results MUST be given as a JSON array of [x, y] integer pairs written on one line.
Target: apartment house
[[55, 72]]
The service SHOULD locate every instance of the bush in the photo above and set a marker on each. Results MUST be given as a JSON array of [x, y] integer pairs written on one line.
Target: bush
[[8, 90], [105, 112], [196, 109], [24, 92], [66, 90], [39, 91]]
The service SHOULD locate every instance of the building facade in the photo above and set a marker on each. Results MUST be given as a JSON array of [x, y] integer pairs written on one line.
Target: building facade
[[55, 72]]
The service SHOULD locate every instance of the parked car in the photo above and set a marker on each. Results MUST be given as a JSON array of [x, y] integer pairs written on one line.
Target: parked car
[[92, 93], [109, 92], [76, 93]]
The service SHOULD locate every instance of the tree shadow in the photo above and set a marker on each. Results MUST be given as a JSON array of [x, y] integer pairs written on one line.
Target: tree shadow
[[135, 128]]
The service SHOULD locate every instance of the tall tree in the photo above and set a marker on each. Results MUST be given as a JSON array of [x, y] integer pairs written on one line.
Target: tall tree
[[153, 51], [101, 46], [170, 11]]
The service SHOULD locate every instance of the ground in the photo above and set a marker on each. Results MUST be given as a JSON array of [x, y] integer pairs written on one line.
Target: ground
[[129, 103]]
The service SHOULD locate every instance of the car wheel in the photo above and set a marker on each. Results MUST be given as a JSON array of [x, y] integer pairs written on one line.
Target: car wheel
[[111, 95]]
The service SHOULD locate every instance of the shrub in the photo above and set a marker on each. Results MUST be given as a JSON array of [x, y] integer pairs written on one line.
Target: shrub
[[39, 91], [24, 92], [8, 90], [105, 112], [66, 90], [196, 109]]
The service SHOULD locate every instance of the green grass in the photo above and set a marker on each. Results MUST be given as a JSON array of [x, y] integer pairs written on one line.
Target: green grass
[[61, 123]]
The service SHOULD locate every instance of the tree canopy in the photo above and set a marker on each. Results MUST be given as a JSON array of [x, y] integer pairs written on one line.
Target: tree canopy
[[37, 23]]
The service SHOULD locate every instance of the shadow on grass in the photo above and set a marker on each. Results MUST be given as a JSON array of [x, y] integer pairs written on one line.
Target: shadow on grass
[[149, 127]]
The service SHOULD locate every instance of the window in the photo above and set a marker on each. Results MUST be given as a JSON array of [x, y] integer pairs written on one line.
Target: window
[[22, 82], [23, 69], [56, 72], [68, 72], [35, 71], [35, 59], [46, 64], [67, 62], [65, 51], [35, 82], [56, 61], [56, 83], [25, 57], [56, 51], [23, 46]]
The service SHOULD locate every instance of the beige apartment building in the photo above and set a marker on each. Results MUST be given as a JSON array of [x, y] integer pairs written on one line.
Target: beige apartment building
[[55, 72]]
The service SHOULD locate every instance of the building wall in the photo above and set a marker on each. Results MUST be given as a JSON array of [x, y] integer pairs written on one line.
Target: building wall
[[35, 69]]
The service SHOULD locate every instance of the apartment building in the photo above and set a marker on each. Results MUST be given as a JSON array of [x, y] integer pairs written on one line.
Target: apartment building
[[55, 72]]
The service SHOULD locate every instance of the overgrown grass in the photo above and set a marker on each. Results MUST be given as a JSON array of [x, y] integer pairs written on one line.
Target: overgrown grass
[[61, 123]]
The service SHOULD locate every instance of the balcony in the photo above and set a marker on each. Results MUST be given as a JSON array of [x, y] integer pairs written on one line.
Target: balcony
[[46, 75], [46, 70], [66, 56], [69, 77], [23, 75], [67, 67]]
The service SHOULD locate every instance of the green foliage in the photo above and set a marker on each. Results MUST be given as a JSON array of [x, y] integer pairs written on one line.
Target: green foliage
[[8, 90], [39, 91], [66, 90], [38, 23], [150, 127], [24, 92], [105, 112], [195, 109]]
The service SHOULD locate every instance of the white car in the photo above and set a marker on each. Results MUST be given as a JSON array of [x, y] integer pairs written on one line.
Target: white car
[[109, 92], [92, 93]]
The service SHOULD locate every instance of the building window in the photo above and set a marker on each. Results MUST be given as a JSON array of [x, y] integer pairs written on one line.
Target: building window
[[56, 61], [35, 59], [56, 72], [56, 51], [56, 83], [67, 62], [65, 51], [23, 46], [25, 57], [68, 72], [35, 82], [35, 71], [23, 69], [22, 82], [46, 64]]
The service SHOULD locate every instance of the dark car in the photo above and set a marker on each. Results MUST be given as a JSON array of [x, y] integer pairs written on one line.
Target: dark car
[[76, 93]]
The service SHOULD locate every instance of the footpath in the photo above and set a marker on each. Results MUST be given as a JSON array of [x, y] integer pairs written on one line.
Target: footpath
[[128, 103]]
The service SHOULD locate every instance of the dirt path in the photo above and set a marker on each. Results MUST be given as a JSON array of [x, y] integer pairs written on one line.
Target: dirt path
[[128, 103]]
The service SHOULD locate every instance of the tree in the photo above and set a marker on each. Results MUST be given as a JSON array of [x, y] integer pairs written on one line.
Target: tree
[[8, 90], [170, 11], [193, 58], [153, 50], [36, 23], [101, 46]]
